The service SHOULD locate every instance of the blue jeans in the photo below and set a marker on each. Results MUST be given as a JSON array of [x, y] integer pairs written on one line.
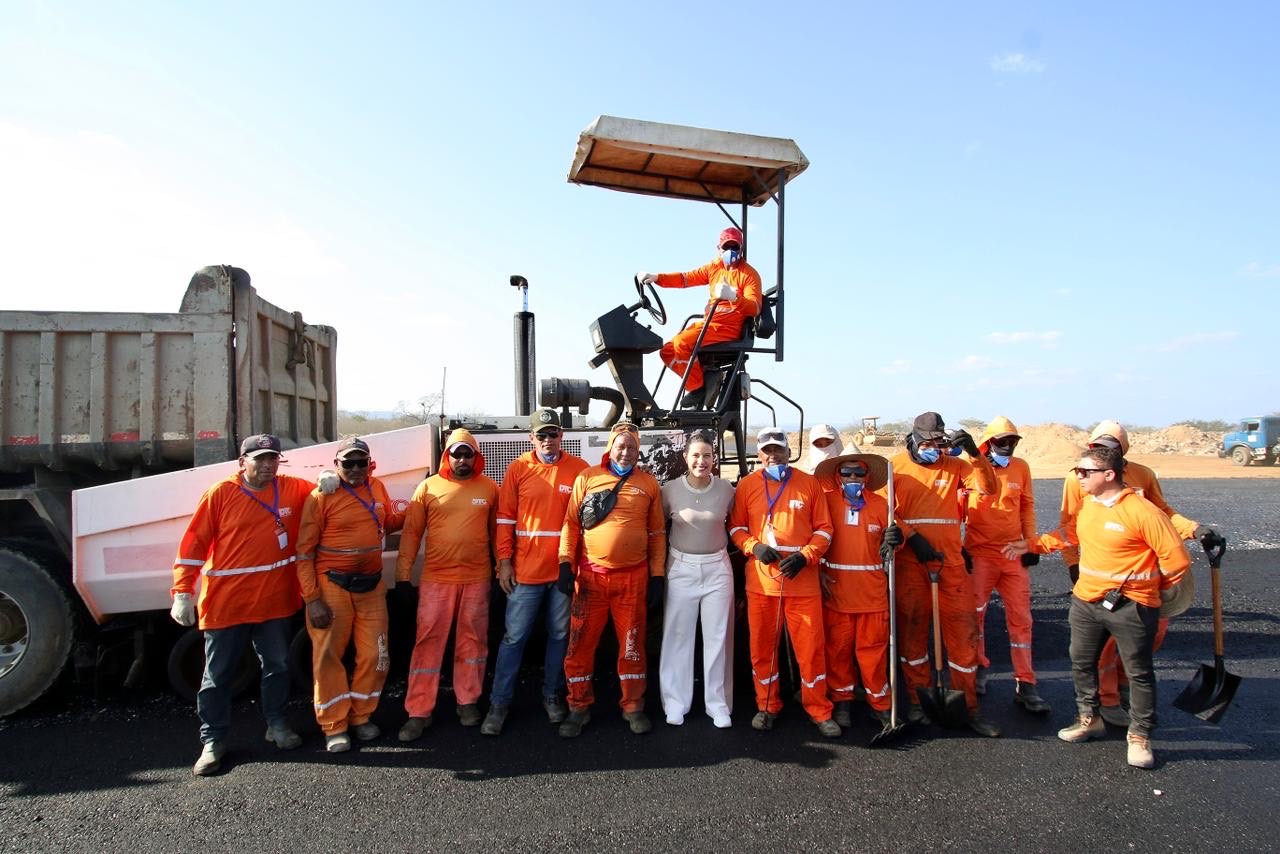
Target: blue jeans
[[523, 605], [223, 649]]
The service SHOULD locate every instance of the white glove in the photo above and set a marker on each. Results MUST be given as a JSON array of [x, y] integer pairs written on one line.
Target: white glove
[[183, 610], [328, 482], [647, 278], [725, 291]]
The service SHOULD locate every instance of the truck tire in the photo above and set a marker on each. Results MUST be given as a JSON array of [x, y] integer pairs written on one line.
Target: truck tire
[[186, 666], [37, 627], [1241, 455]]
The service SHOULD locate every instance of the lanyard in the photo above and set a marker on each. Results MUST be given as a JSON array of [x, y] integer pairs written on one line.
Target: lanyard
[[773, 499], [274, 507], [367, 505]]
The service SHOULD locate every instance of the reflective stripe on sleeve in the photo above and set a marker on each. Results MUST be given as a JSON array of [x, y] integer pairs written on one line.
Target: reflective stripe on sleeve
[[249, 569], [823, 534], [187, 561], [741, 528], [506, 521]]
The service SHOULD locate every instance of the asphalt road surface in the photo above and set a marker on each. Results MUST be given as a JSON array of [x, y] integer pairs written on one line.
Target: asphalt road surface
[[113, 773]]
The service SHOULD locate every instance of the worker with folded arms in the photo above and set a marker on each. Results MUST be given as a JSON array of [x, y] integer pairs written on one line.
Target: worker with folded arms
[[241, 541], [456, 511], [927, 479], [1143, 481], [1131, 558], [340, 573], [855, 588], [613, 562], [994, 521], [781, 521], [531, 506]]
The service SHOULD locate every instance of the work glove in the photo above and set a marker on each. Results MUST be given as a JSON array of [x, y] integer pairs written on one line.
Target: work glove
[[1073, 570], [1030, 559], [725, 292], [657, 590], [184, 609], [565, 582], [319, 614], [1213, 540], [1203, 531], [968, 560], [892, 539], [791, 565], [923, 549], [405, 595], [962, 440], [647, 278], [765, 553], [328, 482]]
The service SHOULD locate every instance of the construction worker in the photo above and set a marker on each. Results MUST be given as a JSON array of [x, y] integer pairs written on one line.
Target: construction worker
[[457, 511], [927, 479], [241, 540], [824, 443], [992, 522], [780, 519], [736, 295], [531, 504], [699, 583], [340, 572], [855, 588], [1130, 560], [616, 557], [1143, 481]]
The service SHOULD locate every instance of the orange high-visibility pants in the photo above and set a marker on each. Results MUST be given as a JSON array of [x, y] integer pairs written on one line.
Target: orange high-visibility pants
[[959, 627], [438, 603], [675, 353], [803, 616], [1111, 670], [1013, 581], [341, 702], [857, 649], [620, 594]]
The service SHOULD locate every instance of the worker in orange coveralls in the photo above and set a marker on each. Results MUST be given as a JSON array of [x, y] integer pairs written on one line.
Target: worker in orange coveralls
[[855, 589], [736, 285], [340, 572], [994, 521], [780, 519], [1143, 481], [457, 511], [927, 479], [614, 562], [241, 540]]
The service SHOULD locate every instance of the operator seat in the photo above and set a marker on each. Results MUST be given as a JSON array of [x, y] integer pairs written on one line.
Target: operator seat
[[730, 356]]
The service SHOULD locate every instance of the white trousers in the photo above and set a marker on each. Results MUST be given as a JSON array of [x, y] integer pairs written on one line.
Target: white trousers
[[697, 585]]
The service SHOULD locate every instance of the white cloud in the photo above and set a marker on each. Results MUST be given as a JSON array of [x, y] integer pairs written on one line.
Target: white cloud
[[1047, 339], [1016, 63], [1255, 270], [1193, 340], [976, 363], [897, 366]]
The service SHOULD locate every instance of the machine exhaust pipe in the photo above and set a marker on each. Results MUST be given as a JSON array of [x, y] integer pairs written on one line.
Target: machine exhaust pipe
[[525, 355]]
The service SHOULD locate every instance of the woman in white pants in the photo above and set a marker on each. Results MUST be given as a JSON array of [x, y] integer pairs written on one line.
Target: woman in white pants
[[699, 582]]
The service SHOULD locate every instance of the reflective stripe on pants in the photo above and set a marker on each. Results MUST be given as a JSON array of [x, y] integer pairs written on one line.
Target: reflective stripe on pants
[[803, 617], [959, 627], [438, 602], [1013, 581], [619, 594], [857, 649], [339, 703]]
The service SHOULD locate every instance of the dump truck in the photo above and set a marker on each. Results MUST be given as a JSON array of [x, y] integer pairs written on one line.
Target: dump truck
[[1255, 440]]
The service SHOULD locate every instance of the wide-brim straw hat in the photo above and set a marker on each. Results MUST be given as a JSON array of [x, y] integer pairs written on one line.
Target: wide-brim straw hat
[[877, 468]]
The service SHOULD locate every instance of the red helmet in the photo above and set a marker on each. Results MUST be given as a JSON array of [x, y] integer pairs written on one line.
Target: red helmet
[[730, 235]]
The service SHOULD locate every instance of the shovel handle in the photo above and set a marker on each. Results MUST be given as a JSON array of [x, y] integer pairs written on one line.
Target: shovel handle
[[1215, 546], [937, 622]]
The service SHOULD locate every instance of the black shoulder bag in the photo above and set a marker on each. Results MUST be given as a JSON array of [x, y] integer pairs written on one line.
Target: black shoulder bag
[[597, 505]]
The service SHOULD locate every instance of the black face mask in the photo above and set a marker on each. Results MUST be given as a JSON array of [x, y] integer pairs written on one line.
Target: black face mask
[[1005, 449]]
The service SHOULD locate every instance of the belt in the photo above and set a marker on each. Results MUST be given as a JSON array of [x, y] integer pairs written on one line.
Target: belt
[[687, 557]]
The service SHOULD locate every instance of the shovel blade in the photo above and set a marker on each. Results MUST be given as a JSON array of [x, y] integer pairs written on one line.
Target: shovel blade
[[1209, 693], [945, 707]]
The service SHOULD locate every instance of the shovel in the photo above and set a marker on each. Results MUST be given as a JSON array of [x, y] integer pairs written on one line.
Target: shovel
[[1211, 689], [896, 724], [946, 707]]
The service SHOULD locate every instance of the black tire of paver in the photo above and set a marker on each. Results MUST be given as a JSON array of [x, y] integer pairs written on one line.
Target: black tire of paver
[[1241, 455], [50, 626], [186, 666]]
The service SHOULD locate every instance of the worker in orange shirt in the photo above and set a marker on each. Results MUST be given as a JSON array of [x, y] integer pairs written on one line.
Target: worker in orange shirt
[[736, 295], [617, 560], [780, 519], [457, 511], [927, 479], [1131, 559], [1143, 481], [992, 522], [531, 506], [855, 589], [340, 572], [241, 541]]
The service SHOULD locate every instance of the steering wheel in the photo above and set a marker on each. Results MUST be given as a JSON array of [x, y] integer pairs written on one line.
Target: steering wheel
[[652, 303]]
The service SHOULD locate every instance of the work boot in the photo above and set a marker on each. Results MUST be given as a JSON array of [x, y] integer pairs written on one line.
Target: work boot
[[284, 738], [1026, 696], [916, 715], [1115, 715], [210, 761], [638, 721], [1085, 728], [693, 398], [843, 715], [571, 726], [556, 710], [884, 718], [413, 728], [1140, 753], [829, 728], [339, 742], [763, 721], [980, 681], [367, 731], [494, 720], [469, 714], [984, 727]]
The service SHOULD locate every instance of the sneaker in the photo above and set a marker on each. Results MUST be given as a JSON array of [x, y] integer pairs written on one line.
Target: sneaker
[[722, 721], [1085, 728], [413, 728], [844, 714], [571, 726], [1115, 715], [829, 728], [284, 738], [469, 714], [639, 722], [1140, 753], [557, 711], [916, 715], [983, 726], [339, 742], [675, 720], [494, 720], [763, 721], [980, 681], [1025, 695], [366, 731], [210, 761]]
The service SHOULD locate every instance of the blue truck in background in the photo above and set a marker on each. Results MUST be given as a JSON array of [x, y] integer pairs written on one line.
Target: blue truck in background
[[1256, 440]]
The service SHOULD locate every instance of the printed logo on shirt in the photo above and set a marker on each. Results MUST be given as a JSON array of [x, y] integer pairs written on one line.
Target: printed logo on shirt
[[796, 504], [942, 483], [1013, 484], [286, 511], [873, 528], [632, 490], [565, 489], [1113, 526], [479, 502], [377, 505]]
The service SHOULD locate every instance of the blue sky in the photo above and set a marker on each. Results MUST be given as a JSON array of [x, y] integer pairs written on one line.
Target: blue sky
[[1056, 212]]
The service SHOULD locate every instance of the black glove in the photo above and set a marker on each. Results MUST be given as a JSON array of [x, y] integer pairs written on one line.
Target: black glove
[[792, 564], [892, 539], [968, 560], [565, 582], [924, 550], [765, 553], [405, 595], [1203, 531], [962, 440], [1030, 559], [657, 589], [1073, 570]]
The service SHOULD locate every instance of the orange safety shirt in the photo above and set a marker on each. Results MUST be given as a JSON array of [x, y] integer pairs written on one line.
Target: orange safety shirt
[[742, 276], [995, 520], [799, 520], [856, 580], [1141, 480], [634, 532], [233, 541], [344, 532], [531, 507], [459, 520], [928, 497]]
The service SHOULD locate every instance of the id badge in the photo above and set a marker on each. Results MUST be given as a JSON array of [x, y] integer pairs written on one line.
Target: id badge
[[282, 537], [769, 536], [851, 516]]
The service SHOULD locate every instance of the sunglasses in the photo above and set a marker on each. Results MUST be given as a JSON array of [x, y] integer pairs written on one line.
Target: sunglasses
[[1080, 472], [853, 471], [462, 453], [360, 463], [544, 435]]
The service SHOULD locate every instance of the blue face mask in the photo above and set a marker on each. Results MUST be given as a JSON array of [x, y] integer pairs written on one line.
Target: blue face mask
[[776, 471], [619, 470], [853, 494], [548, 458], [928, 456], [1000, 459], [730, 257]]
